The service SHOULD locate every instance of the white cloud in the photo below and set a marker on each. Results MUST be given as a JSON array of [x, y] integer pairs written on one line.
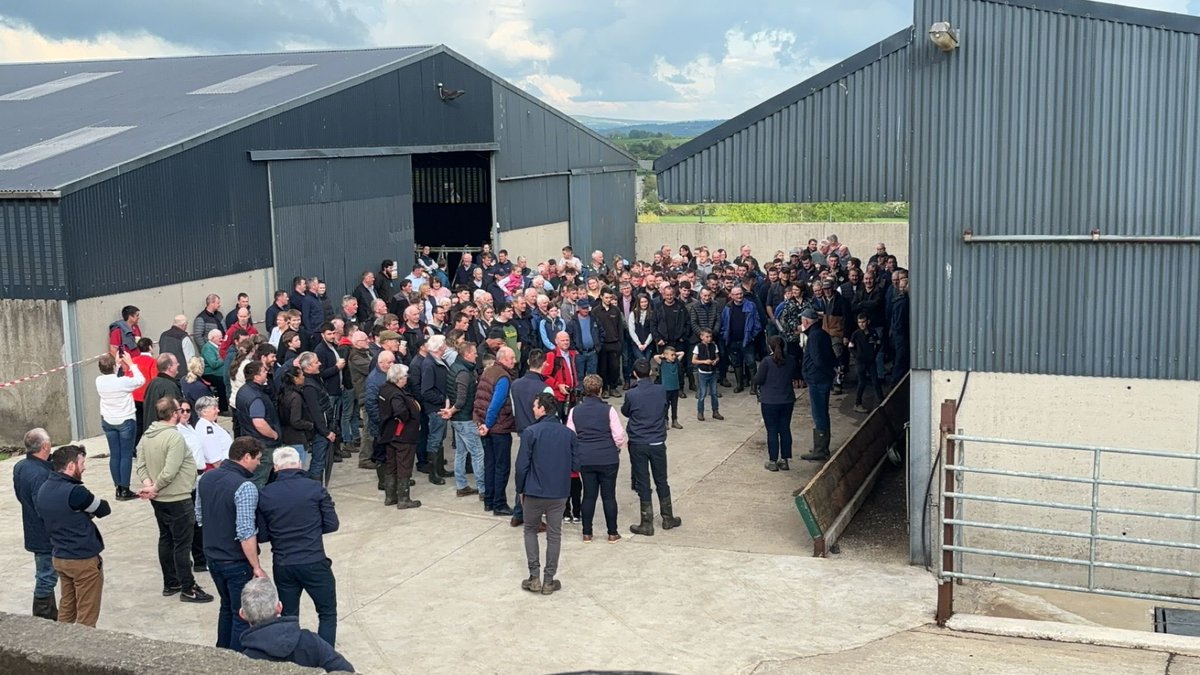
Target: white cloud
[[21, 44], [556, 90]]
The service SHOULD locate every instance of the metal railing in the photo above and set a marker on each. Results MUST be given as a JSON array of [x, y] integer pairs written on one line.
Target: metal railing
[[955, 468]]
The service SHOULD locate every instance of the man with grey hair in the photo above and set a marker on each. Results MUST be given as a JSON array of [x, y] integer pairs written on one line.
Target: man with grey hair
[[28, 476], [176, 340], [294, 513], [434, 375], [273, 636], [318, 408]]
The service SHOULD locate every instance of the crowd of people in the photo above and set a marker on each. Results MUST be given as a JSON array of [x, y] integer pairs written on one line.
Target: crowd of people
[[403, 365]]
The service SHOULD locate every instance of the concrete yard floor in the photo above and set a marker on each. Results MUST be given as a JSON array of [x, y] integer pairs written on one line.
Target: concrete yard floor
[[436, 589]]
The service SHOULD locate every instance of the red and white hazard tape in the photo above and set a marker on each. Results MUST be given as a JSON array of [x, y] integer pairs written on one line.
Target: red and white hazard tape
[[21, 380]]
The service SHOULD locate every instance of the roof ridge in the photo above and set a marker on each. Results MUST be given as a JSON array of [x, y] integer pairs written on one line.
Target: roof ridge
[[179, 57]]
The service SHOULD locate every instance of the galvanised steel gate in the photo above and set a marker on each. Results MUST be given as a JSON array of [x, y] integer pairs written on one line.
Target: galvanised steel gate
[[956, 467]]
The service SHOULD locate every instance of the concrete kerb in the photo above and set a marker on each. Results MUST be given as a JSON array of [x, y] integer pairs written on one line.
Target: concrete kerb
[[35, 646], [1071, 633]]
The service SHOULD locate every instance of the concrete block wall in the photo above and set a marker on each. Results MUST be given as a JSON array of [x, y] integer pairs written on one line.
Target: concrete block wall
[[33, 343], [1138, 414], [537, 244], [766, 238], [159, 306]]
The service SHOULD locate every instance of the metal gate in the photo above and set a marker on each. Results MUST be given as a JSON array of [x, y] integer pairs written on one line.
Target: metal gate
[[955, 525]]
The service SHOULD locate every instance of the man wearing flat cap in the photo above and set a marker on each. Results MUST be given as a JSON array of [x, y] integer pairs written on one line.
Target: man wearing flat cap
[[819, 363]]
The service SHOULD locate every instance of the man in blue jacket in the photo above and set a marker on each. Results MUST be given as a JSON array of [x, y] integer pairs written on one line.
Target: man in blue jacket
[[819, 365], [740, 326], [294, 513], [272, 637], [646, 409], [549, 453], [28, 476]]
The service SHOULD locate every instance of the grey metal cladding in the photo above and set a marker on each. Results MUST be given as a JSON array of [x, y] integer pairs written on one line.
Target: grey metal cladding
[[31, 250], [533, 202], [151, 94], [838, 136], [609, 207], [1050, 122], [337, 218], [425, 119]]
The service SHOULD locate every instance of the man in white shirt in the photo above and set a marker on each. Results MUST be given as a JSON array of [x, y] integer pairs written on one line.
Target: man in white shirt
[[118, 418], [417, 278]]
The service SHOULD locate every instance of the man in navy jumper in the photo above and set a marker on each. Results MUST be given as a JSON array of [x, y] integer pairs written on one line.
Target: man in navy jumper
[[226, 502], [646, 409], [294, 513], [524, 391], [819, 365], [28, 476], [272, 637], [549, 453], [68, 511]]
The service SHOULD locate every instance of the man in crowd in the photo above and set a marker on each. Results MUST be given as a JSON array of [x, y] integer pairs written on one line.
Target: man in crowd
[[123, 335], [167, 470], [819, 364], [226, 501], [739, 327], [28, 476], [164, 385], [435, 378], [210, 318], [280, 304], [493, 413], [612, 337], [585, 339], [524, 391], [549, 453], [672, 327], [258, 417], [177, 342], [375, 380], [646, 409], [364, 293], [294, 514], [318, 409], [274, 637], [461, 388], [68, 510]]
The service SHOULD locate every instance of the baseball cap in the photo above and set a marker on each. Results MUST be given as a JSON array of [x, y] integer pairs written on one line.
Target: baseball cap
[[584, 304]]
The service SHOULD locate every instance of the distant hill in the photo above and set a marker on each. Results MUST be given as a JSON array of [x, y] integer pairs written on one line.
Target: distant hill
[[686, 129]]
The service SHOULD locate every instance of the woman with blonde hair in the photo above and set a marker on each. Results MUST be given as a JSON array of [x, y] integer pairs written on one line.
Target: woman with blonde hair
[[194, 387]]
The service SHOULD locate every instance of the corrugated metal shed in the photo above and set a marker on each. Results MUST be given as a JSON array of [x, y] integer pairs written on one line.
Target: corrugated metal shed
[[1056, 119], [190, 171], [153, 97], [838, 136]]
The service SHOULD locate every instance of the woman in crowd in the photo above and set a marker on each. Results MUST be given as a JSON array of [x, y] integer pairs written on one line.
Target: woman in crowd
[[438, 289], [640, 320], [688, 260], [399, 431], [601, 437], [194, 387], [215, 439], [117, 414], [214, 367], [777, 400], [297, 429]]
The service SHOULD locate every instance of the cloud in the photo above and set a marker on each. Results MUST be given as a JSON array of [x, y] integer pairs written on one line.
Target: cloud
[[660, 59]]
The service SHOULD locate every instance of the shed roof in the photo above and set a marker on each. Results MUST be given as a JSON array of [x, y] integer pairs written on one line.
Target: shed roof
[[68, 121]]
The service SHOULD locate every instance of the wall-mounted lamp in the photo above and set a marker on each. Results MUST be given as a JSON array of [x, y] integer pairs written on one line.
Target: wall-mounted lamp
[[943, 36], [449, 94]]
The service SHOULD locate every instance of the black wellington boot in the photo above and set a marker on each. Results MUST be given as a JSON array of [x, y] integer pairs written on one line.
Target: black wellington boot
[[389, 490], [404, 502], [646, 527], [669, 520]]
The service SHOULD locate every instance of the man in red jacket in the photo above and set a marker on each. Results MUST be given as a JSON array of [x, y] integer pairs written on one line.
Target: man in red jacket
[[561, 375]]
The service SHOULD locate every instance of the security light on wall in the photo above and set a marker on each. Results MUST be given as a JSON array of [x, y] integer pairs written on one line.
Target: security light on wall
[[449, 94], [943, 36]]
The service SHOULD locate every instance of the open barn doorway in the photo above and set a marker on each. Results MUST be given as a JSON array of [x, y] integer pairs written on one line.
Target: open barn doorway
[[452, 204]]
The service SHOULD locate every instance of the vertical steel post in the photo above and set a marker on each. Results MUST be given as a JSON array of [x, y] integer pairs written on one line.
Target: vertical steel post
[[945, 601], [1095, 523]]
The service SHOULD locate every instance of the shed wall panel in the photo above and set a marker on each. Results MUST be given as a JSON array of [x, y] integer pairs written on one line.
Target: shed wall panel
[[31, 250], [1046, 123]]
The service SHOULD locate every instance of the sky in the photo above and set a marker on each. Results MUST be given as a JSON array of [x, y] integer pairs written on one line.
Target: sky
[[645, 60]]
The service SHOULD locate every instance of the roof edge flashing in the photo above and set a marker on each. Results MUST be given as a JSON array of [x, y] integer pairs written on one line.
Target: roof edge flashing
[[1106, 11]]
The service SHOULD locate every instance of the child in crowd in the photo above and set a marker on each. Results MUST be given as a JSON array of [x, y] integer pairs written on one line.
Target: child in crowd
[[867, 346], [668, 377], [705, 355]]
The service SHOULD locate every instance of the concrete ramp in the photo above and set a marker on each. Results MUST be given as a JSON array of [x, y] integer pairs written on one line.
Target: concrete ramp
[[829, 501]]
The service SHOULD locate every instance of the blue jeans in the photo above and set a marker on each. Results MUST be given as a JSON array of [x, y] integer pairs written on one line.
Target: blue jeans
[[708, 387], [300, 451], [44, 576], [349, 416], [586, 363], [466, 439], [317, 580], [818, 402], [120, 450], [778, 419], [437, 434], [320, 455], [230, 578], [497, 455]]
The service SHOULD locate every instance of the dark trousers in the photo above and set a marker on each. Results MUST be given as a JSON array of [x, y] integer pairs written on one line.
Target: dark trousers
[[610, 365], [647, 460], [176, 527], [197, 536], [673, 403], [575, 502], [497, 455], [600, 481], [818, 403], [317, 580], [230, 578], [778, 419], [399, 462], [865, 372], [900, 361]]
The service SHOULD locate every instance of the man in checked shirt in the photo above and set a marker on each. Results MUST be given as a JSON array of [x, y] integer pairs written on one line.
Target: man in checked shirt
[[226, 501]]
